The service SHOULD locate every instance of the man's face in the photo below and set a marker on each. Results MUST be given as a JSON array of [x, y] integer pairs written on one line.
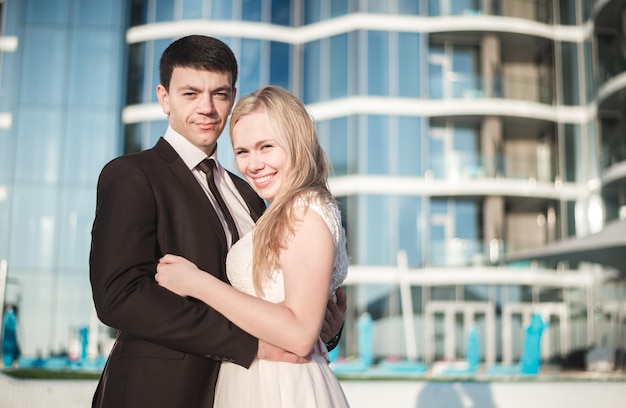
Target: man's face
[[198, 104]]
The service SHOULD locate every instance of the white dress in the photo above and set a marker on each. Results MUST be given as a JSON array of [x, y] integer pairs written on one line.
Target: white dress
[[273, 384]]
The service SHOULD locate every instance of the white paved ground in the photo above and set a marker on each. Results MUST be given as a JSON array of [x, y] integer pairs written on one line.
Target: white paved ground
[[371, 394]]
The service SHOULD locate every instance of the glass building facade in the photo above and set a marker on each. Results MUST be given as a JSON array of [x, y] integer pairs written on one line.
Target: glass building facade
[[459, 132]]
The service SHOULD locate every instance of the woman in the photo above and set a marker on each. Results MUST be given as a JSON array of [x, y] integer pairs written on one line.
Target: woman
[[284, 271]]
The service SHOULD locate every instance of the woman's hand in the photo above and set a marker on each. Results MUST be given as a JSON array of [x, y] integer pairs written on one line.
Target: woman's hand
[[178, 275]]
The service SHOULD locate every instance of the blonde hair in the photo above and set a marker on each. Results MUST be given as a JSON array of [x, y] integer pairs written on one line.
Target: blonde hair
[[294, 131]]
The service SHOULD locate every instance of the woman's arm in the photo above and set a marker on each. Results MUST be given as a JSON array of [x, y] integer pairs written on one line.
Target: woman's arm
[[294, 324]]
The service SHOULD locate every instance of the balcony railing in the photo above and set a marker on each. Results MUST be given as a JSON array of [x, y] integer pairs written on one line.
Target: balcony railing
[[457, 85]]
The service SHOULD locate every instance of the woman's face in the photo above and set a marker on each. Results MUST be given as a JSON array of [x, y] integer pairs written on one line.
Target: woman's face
[[258, 156]]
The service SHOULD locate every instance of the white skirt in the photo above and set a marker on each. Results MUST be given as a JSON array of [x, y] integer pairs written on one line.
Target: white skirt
[[271, 384]]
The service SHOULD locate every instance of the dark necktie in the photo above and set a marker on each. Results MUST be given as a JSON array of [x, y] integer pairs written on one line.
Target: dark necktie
[[207, 166]]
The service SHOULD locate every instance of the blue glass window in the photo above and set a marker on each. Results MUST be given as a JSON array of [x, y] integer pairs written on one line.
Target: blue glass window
[[34, 224], [339, 55], [377, 63], [338, 146], [44, 47], [192, 9], [75, 223], [46, 133], [377, 233], [55, 12], [251, 10], [339, 8], [409, 64], [409, 146], [280, 55], [377, 144], [311, 83], [569, 55], [249, 63], [281, 12], [106, 13], [222, 10], [409, 234], [94, 68], [90, 143], [164, 11], [312, 11]]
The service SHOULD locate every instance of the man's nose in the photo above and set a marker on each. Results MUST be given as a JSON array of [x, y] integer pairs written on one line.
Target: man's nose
[[206, 105]]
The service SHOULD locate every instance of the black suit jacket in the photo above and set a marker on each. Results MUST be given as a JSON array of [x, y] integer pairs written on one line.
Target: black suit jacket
[[168, 348]]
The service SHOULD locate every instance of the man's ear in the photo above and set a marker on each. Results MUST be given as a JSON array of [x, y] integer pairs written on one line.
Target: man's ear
[[164, 98]]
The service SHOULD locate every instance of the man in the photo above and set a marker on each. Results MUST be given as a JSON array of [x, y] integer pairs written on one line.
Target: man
[[168, 348]]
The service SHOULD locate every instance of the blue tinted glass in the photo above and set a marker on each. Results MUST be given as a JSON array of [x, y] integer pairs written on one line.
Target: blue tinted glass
[[377, 145], [251, 10], [338, 146], [434, 7], [408, 7], [95, 66], [193, 9], [436, 58], [339, 66], [465, 141], [164, 10], [377, 6], [377, 234], [150, 91], [464, 7], [312, 11], [465, 220], [409, 234], [465, 67], [409, 146], [44, 66], [409, 64], [34, 224], [338, 8], [569, 55], [92, 140], [9, 78], [281, 12], [75, 223], [311, 72], [377, 63], [109, 13], [7, 156], [222, 10], [436, 160], [249, 63], [39, 144], [48, 11], [156, 129], [280, 55]]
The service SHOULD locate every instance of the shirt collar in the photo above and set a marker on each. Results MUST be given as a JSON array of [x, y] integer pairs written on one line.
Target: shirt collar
[[190, 154]]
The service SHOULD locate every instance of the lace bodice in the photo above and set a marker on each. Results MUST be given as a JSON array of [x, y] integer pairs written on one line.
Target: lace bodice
[[239, 260]]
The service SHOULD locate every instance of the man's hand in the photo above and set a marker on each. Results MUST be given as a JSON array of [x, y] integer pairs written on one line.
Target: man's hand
[[333, 321], [267, 351]]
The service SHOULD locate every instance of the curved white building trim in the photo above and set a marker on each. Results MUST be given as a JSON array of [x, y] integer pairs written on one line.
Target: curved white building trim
[[614, 173], [353, 22], [8, 43], [450, 107], [6, 120], [474, 275], [412, 107], [412, 186], [613, 85], [142, 113]]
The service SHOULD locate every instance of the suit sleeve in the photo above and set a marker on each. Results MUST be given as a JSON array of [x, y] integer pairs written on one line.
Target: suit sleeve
[[125, 249]]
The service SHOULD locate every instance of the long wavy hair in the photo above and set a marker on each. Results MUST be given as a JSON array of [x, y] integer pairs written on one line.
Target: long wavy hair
[[307, 173]]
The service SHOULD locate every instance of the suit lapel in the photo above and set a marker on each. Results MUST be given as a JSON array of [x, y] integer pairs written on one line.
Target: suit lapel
[[189, 182]]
